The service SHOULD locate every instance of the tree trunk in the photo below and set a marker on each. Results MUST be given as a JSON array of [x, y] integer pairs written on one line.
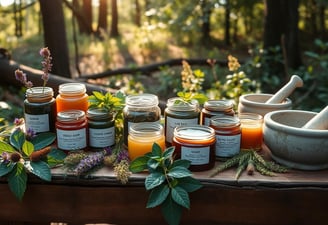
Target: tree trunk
[[227, 24], [102, 17], [87, 14], [137, 19], [55, 35], [281, 29], [206, 25], [114, 26]]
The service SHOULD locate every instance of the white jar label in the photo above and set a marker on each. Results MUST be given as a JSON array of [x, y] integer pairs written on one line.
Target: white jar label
[[100, 138], [196, 156], [227, 146], [172, 123], [71, 139], [38, 123]]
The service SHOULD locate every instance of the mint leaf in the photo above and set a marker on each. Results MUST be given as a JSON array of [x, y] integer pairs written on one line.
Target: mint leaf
[[17, 179], [171, 211], [153, 180], [180, 196], [5, 147], [189, 184], [139, 164], [179, 172], [55, 157], [43, 140], [17, 139], [41, 169], [158, 196], [5, 168], [27, 148], [156, 150]]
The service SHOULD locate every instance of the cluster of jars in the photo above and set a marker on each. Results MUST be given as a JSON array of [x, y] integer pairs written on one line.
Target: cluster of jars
[[76, 125], [200, 135]]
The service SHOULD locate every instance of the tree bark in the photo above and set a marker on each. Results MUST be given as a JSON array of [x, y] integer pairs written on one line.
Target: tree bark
[[102, 17], [114, 26], [55, 35], [281, 29], [86, 27]]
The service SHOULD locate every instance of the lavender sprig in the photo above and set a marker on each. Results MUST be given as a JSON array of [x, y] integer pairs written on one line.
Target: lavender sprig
[[21, 76], [46, 64], [90, 161]]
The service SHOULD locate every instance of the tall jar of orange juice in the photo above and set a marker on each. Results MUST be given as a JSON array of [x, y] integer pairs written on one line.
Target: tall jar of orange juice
[[142, 136], [72, 96]]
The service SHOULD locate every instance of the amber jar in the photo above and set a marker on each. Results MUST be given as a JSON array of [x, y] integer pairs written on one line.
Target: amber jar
[[140, 108], [216, 108], [72, 96], [71, 129], [179, 113], [195, 143], [40, 109], [228, 136], [101, 128]]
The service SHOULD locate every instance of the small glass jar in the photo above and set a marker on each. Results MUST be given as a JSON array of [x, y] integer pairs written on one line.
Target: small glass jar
[[251, 131], [101, 128], [228, 136], [72, 96], [71, 129], [179, 113], [40, 109], [197, 144], [141, 138], [142, 108], [216, 108]]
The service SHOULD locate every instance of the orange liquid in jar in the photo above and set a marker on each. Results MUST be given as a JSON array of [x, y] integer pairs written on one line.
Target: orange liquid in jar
[[141, 138], [251, 133], [139, 147], [72, 96]]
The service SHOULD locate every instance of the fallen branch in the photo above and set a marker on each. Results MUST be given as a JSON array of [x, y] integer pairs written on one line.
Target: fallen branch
[[149, 69]]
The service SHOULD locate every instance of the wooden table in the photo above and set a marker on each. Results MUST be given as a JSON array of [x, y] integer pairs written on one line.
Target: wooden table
[[297, 197]]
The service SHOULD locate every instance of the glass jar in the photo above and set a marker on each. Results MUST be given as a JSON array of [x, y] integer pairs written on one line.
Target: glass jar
[[179, 113], [216, 108], [140, 108], [197, 144], [40, 109], [101, 128], [72, 96], [141, 138], [71, 129], [228, 136], [251, 131]]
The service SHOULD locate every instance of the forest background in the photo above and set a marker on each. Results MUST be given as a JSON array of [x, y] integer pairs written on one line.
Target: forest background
[[93, 40]]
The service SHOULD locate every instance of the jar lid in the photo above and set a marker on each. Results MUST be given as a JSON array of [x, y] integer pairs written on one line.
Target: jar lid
[[194, 132], [70, 115], [219, 105], [98, 114], [39, 94], [225, 121], [145, 129], [177, 104], [142, 100], [72, 88]]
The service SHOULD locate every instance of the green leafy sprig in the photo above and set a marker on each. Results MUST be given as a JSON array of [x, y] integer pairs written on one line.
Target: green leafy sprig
[[169, 181], [23, 155], [249, 161]]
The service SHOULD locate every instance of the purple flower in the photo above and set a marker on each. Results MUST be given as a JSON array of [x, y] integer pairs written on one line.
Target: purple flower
[[5, 157], [122, 155], [90, 161], [21, 76], [18, 121], [30, 134], [46, 64]]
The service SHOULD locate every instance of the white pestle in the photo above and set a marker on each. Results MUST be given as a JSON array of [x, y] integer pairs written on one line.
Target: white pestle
[[294, 82], [319, 121]]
